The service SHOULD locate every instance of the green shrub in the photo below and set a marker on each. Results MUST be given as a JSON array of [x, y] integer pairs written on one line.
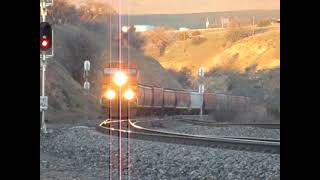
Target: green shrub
[[264, 23], [155, 42], [236, 34], [184, 76]]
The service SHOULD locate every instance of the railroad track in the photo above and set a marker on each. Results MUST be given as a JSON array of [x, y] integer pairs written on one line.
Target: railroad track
[[215, 124], [234, 143]]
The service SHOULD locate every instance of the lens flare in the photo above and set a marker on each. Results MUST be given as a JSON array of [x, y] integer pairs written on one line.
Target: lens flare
[[129, 94], [110, 94], [120, 78]]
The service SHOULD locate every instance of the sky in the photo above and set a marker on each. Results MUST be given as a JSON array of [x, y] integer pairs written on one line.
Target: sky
[[190, 6]]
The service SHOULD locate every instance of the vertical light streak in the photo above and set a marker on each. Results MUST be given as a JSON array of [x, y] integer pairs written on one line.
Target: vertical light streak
[[110, 103], [110, 142], [128, 109], [119, 99]]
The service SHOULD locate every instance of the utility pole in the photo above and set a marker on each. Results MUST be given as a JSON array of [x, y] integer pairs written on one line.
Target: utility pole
[[253, 27], [43, 98], [222, 22], [201, 89], [207, 23], [46, 36]]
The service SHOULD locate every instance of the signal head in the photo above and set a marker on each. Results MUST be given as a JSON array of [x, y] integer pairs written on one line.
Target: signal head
[[45, 36]]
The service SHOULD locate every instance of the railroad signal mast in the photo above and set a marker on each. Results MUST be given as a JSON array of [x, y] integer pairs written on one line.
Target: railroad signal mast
[[201, 89], [46, 45], [86, 84]]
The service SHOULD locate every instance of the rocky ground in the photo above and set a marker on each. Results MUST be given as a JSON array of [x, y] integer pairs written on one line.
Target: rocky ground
[[78, 151]]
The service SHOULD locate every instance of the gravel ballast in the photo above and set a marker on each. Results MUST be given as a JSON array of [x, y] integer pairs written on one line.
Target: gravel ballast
[[254, 132], [80, 152]]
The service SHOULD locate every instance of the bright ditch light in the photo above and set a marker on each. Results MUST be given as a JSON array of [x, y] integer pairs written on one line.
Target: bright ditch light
[[110, 94], [120, 78], [129, 94]]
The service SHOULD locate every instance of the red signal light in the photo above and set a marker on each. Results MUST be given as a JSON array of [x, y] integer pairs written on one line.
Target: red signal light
[[44, 43], [45, 36]]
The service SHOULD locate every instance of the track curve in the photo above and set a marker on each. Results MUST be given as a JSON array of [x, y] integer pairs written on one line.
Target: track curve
[[234, 143]]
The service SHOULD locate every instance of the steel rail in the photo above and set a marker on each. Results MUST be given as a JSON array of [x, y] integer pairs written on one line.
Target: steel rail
[[243, 144], [216, 124]]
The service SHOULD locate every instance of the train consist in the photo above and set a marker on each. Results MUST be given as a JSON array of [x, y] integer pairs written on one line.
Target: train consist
[[156, 99], [120, 88]]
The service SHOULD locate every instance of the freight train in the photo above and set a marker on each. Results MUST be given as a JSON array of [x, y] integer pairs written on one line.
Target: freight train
[[171, 101], [120, 88]]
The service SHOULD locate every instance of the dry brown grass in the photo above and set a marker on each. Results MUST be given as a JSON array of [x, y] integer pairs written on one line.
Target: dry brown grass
[[217, 51]]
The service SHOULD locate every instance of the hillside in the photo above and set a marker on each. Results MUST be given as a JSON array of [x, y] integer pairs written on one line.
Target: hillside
[[246, 65], [73, 45], [215, 51], [261, 51], [67, 99], [79, 38]]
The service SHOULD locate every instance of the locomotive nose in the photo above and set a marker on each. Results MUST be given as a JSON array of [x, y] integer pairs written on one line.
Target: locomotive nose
[[120, 78]]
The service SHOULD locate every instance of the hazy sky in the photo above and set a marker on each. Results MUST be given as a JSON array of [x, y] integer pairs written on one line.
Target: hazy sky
[[190, 6]]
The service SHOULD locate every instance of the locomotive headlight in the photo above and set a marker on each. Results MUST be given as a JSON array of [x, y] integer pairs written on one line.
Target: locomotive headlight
[[129, 94], [120, 78], [110, 94]]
